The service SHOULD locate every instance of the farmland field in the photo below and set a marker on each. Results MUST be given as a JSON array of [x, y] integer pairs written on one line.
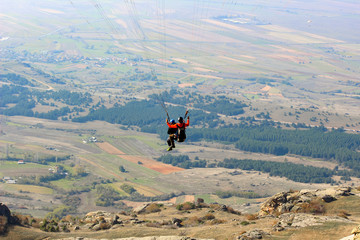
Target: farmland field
[[304, 69]]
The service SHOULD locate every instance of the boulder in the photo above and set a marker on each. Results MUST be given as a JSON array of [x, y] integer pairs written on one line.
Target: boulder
[[141, 208], [96, 227], [328, 198], [117, 220], [252, 235], [5, 212], [177, 222]]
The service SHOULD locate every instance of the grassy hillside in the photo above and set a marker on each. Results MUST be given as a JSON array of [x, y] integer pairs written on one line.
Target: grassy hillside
[[200, 220]]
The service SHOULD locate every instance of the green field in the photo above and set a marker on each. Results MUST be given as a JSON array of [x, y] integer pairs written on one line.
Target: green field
[[29, 188]]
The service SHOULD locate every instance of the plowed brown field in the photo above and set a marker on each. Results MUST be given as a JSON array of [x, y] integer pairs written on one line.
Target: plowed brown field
[[107, 147]]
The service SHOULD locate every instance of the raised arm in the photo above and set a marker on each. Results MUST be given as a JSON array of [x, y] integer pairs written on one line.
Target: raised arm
[[187, 122]]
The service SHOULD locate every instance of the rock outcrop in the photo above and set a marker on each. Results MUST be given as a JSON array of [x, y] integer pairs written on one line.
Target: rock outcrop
[[297, 201], [5, 212], [101, 220], [6, 218], [301, 220]]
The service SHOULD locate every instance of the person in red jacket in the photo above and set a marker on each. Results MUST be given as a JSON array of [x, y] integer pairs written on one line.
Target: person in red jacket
[[172, 131]]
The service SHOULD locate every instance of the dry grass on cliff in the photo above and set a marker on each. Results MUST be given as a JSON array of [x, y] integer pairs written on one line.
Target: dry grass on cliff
[[215, 223]]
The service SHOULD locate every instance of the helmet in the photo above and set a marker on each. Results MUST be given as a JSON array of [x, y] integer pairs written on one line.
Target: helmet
[[181, 120], [172, 121]]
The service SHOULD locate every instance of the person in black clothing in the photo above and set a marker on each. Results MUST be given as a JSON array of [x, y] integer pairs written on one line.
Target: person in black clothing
[[172, 131], [181, 126]]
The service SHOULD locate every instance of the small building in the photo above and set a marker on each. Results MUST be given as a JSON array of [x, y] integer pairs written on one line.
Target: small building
[[11, 181], [21, 162]]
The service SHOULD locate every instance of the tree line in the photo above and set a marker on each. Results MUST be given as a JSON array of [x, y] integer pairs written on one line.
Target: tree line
[[15, 79], [182, 161], [220, 104], [149, 115], [292, 171], [25, 100], [317, 142], [295, 172]]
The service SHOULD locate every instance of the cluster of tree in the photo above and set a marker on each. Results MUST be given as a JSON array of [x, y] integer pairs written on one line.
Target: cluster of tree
[[53, 114], [25, 101], [79, 171], [50, 225], [241, 194], [295, 172], [40, 159], [15, 79], [71, 200], [44, 179], [313, 142], [220, 104], [11, 94], [138, 113], [34, 180], [52, 177], [142, 77], [262, 80], [54, 216], [137, 197], [65, 96], [182, 161], [223, 106], [71, 204], [22, 108], [45, 159], [127, 188], [149, 115], [106, 196], [263, 115], [57, 80]]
